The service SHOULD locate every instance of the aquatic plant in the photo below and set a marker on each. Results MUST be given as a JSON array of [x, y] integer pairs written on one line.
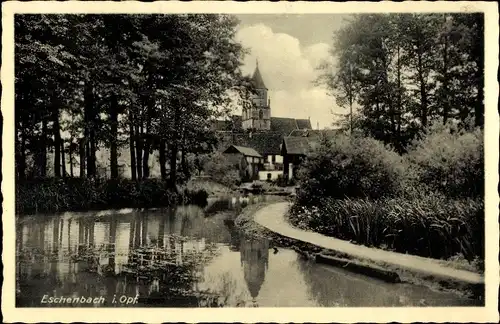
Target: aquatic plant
[[434, 226]]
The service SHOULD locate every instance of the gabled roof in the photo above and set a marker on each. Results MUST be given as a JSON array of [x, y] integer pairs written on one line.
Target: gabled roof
[[298, 145], [257, 80], [246, 151], [265, 143], [283, 125], [303, 124], [300, 142]]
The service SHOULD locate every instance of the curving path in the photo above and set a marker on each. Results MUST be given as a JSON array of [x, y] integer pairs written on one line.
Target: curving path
[[273, 218]]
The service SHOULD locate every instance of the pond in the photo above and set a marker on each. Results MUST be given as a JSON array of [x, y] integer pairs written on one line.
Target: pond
[[185, 256]]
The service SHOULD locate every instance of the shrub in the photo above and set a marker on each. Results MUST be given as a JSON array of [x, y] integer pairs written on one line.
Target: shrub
[[352, 167], [450, 161], [434, 227], [73, 194], [221, 170]]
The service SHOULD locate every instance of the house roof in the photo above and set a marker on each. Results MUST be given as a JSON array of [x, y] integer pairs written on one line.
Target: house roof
[[247, 151], [298, 145], [283, 125], [330, 133], [300, 142], [303, 124], [266, 143]]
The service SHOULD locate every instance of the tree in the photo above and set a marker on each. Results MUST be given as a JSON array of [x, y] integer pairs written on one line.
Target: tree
[[404, 71]]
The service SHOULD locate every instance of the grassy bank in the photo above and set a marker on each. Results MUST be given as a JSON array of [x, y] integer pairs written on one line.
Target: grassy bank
[[211, 187], [433, 226], [75, 194]]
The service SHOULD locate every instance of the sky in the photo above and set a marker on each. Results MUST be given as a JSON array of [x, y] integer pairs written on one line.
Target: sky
[[289, 48]]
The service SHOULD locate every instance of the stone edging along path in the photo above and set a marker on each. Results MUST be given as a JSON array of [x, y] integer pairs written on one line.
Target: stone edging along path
[[272, 217]]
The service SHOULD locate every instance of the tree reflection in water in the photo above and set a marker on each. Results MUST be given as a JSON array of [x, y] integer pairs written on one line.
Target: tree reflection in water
[[158, 256]]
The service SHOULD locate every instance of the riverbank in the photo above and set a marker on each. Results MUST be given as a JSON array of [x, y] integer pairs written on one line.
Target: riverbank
[[247, 222], [55, 195]]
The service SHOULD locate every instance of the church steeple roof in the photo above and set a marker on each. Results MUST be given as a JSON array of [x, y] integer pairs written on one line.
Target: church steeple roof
[[257, 78]]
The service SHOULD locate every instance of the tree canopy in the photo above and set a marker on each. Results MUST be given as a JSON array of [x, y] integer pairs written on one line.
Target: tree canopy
[[152, 82], [404, 71]]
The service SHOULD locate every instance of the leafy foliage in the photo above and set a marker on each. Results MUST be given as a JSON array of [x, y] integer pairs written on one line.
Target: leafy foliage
[[349, 167], [222, 170], [153, 82], [450, 161], [400, 72]]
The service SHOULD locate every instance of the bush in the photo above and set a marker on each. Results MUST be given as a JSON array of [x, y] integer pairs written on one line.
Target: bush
[[73, 194], [350, 167], [434, 227], [221, 170], [450, 161]]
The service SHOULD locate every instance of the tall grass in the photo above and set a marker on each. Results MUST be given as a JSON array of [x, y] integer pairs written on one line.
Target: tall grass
[[72, 194], [433, 227]]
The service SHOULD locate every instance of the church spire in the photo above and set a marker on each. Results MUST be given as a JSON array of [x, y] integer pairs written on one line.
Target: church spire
[[257, 77]]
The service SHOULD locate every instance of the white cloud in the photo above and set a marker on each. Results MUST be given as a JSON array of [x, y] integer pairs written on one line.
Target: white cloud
[[289, 71]]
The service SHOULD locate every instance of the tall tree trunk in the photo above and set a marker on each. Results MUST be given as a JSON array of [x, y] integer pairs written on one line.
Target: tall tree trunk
[[184, 164], [145, 157], [57, 139], [90, 125], [63, 160], [423, 91], [138, 149], [113, 117], [163, 160], [147, 138], [93, 150], [82, 146], [71, 159], [174, 148], [133, 170], [43, 150]]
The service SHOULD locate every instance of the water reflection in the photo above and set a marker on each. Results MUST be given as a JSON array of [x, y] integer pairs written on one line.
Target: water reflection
[[182, 257], [254, 260]]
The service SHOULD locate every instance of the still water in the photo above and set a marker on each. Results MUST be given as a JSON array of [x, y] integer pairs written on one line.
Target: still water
[[186, 256]]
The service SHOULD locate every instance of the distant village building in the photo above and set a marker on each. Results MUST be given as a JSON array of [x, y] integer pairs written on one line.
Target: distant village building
[[297, 146], [256, 129], [248, 161]]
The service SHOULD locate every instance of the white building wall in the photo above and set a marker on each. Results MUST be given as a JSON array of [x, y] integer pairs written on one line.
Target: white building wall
[[274, 175]]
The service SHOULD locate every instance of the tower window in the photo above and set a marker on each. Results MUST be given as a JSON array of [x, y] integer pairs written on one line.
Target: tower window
[[261, 114]]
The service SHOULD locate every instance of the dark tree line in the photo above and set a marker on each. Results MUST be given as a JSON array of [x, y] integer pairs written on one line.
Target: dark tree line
[[149, 82], [402, 72]]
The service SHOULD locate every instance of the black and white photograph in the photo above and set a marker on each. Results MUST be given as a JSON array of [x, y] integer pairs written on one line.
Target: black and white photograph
[[224, 158]]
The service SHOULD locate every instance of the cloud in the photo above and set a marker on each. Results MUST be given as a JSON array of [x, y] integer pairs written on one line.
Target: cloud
[[289, 71]]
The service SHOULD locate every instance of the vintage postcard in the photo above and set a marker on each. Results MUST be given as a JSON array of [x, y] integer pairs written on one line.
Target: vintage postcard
[[250, 162]]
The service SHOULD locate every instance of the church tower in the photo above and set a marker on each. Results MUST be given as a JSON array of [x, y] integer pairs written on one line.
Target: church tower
[[258, 116]]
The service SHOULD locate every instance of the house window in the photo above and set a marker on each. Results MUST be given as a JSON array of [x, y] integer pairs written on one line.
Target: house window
[[273, 159], [261, 114]]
